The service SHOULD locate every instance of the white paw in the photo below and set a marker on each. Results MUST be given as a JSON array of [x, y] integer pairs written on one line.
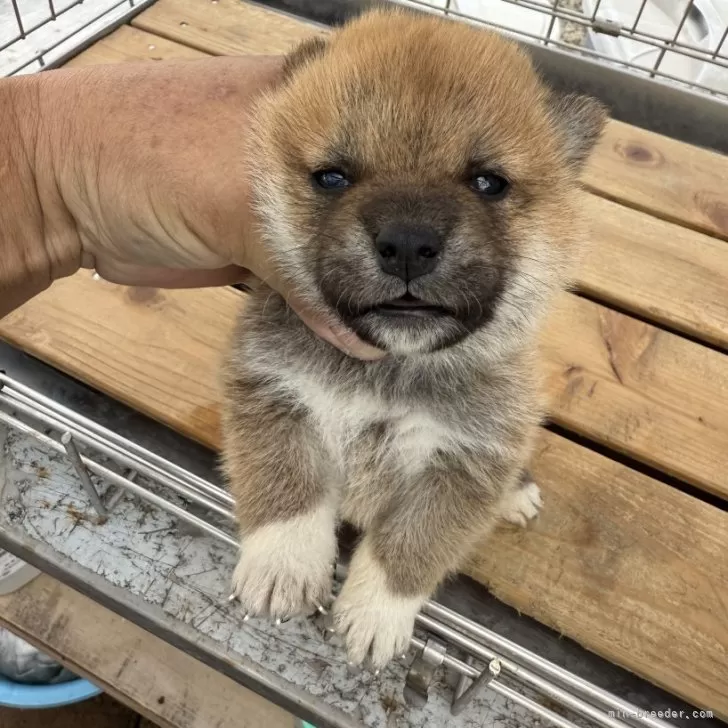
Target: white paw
[[522, 505], [284, 568], [375, 624]]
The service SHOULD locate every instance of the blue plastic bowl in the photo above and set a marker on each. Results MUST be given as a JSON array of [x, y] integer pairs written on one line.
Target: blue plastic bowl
[[18, 695]]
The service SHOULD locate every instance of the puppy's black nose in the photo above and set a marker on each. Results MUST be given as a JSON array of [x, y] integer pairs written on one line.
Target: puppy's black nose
[[408, 250]]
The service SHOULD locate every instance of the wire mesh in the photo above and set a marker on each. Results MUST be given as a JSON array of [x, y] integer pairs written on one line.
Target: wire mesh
[[35, 34], [677, 41]]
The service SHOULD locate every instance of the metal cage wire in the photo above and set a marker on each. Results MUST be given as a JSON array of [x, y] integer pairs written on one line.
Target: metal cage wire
[[38, 34], [580, 26]]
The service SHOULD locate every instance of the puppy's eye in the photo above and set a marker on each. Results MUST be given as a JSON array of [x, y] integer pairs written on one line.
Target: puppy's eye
[[489, 185], [331, 179]]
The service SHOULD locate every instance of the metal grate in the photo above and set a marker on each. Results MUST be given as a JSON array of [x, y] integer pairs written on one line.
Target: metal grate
[[36, 34], [483, 659], [679, 41]]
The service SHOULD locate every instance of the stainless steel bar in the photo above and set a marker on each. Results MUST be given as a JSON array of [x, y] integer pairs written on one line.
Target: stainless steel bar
[[123, 482], [52, 9], [638, 16], [550, 30], [459, 666], [133, 10], [129, 449], [716, 52], [135, 463], [18, 20], [545, 678], [75, 458], [671, 43], [28, 31], [605, 699], [531, 705], [463, 697], [596, 11], [576, 704], [546, 669], [592, 53]]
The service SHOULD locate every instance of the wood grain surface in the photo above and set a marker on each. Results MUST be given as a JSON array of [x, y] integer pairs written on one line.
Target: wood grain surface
[[140, 670]]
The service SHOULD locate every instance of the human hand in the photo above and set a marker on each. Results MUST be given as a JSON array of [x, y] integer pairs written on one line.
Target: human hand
[[150, 163]]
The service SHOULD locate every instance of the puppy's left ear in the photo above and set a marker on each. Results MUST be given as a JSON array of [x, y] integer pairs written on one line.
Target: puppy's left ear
[[580, 120], [307, 51]]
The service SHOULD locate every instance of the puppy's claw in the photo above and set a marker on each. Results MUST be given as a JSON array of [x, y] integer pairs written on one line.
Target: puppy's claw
[[246, 617], [353, 668], [232, 598]]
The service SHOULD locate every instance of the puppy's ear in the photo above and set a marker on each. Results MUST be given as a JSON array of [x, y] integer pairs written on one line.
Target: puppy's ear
[[304, 53], [580, 121]]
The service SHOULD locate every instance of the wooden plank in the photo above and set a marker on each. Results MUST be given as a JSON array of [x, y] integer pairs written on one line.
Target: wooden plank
[[606, 532], [226, 27], [626, 566], [638, 168], [137, 345], [658, 270], [131, 44], [670, 179], [650, 394], [140, 670]]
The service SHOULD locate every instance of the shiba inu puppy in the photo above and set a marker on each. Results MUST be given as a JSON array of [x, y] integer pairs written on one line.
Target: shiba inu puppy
[[415, 179]]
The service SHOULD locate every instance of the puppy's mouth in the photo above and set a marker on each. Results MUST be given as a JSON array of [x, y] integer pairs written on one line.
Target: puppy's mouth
[[411, 307]]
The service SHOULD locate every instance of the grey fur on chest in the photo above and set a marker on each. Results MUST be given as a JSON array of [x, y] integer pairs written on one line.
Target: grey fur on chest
[[404, 410]]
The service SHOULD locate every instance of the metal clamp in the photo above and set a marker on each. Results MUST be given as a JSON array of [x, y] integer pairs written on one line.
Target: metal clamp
[[422, 672], [461, 701], [88, 485]]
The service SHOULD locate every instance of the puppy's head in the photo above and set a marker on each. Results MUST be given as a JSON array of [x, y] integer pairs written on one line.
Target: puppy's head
[[415, 177]]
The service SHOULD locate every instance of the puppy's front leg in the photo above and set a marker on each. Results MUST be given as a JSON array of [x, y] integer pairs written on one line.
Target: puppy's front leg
[[428, 528], [285, 504]]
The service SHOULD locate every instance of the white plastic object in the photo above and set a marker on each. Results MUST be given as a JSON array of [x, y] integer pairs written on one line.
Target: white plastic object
[[703, 28], [512, 18], [14, 573]]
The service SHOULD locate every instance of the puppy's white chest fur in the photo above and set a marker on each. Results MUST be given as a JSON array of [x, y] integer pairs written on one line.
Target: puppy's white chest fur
[[412, 434]]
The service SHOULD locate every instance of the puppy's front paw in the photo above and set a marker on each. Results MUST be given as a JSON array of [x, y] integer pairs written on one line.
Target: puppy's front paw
[[284, 568], [522, 505], [375, 623]]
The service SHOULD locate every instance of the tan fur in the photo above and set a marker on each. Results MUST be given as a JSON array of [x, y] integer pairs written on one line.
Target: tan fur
[[426, 449]]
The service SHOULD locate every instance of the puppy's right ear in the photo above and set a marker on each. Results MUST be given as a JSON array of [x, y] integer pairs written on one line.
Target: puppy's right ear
[[304, 53]]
